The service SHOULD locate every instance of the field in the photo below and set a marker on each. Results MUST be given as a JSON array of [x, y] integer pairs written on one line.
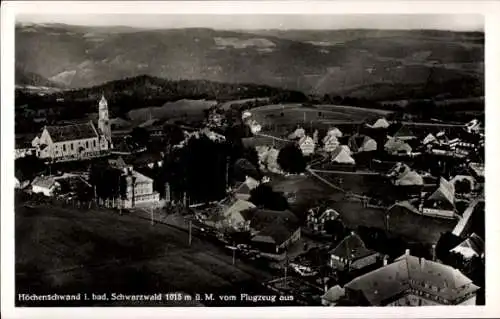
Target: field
[[178, 109], [68, 251], [354, 214], [288, 116]]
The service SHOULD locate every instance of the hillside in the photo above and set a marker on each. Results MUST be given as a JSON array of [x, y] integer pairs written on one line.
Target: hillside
[[319, 62]]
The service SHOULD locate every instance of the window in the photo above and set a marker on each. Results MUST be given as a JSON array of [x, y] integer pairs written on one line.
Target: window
[[64, 147], [94, 143], [87, 144], [72, 146]]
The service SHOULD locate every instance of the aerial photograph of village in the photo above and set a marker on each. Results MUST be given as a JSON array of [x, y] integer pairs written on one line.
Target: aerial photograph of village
[[330, 160]]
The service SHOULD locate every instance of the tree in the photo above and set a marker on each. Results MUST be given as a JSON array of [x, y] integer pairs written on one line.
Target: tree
[[173, 133], [463, 186], [140, 135], [108, 182], [446, 242], [291, 160], [26, 168], [264, 196]]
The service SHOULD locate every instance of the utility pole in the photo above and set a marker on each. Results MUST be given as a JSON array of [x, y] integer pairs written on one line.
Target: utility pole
[[190, 231], [286, 268], [234, 252]]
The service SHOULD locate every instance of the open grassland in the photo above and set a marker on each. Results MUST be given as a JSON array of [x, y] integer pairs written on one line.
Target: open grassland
[[67, 250]]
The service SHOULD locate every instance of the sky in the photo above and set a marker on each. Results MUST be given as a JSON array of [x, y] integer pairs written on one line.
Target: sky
[[454, 22]]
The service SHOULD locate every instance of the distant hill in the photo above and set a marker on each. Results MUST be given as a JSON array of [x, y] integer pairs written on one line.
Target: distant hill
[[335, 62]]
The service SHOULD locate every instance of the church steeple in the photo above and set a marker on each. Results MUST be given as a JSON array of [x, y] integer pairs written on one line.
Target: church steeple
[[103, 124]]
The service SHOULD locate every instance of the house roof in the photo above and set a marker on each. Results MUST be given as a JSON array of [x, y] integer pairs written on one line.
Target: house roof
[[44, 181], [118, 163], [351, 247], [408, 271], [334, 294], [72, 132], [395, 145], [334, 132], [429, 139], [380, 123], [445, 192], [237, 206], [278, 225], [341, 155], [404, 132], [472, 246]]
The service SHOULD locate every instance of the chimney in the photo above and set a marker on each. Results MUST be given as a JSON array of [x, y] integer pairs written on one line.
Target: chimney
[[407, 252], [434, 252]]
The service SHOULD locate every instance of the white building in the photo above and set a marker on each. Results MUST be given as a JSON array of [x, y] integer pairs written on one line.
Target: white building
[[46, 185], [75, 141], [307, 145]]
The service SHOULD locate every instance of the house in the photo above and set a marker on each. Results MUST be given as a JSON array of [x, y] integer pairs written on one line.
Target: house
[[46, 185], [342, 155], [381, 123], [272, 231], [233, 217], [471, 247], [352, 254], [139, 187], [24, 148], [139, 191], [297, 134], [127, 146], [404, 134], [410, 281], [318, 217], [441, 203], [402, 175], [307, 145], [362, 143], [334, 132], [76, 141], [430, 139], [332, 296], [396, 146], [330, 143], [474, 126]]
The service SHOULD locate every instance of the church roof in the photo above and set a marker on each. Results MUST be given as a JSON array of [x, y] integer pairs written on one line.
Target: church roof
[[72, 132]]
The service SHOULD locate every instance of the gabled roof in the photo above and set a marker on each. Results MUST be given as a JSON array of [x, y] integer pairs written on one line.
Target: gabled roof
[[334, 294], [445, 192], [278, 225], [380, 123], [72, 132], [351, 247], [472, 246], [397, 145], [408, 271], [238, 206], [405, 133], [429, 139], [341, 155], [44, 181]]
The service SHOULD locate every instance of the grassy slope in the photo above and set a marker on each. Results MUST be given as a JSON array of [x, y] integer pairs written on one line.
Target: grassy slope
[[64, 250]]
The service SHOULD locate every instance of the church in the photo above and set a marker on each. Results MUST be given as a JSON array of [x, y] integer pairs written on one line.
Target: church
[[76, 141]]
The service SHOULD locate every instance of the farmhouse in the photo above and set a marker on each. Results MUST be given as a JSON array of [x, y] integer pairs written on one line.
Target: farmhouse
[[307, 145], [272, 231], [352, 254], [330, 143], [396, 146], [317, 218], [441, 203], [362, 143], [381, 123], [76, 141], [341, 156], [232, 213], [471, 247], [46, 185], [410, 281], [402, 175]]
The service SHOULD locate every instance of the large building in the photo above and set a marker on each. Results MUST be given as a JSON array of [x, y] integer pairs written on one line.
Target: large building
[[412, 281], [76, 141]]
